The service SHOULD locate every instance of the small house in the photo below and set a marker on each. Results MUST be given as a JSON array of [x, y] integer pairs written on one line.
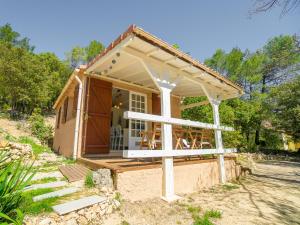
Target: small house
[[122, 111]]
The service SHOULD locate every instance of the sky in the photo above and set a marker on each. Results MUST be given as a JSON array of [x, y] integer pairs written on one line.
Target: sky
[[198, 27]]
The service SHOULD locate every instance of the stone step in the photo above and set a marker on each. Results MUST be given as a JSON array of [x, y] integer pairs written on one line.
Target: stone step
[[74, 205], [58, 193], [41, 175], [46, 185]]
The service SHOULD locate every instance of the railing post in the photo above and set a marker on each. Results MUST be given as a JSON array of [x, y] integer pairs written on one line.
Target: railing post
[[218, 140], [167, 162]]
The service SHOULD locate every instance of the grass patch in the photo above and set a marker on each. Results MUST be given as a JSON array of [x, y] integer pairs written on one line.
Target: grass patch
[[28, 206], [48, 169], [68, 161], [9, 137], [194, 210], [124, 222], [202, 221], [229, 187], [43, 180], [89, 182], [213, 214], [118, 196], [36, 148]]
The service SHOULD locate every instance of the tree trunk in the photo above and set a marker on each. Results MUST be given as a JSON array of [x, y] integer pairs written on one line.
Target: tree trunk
[[257, 133]]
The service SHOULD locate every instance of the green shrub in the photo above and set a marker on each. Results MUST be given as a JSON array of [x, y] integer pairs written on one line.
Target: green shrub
[[89, 182], [39, 128], [14, 176], [202, 221], [118, 197], [213, 214], [17, 220], [194, 210], [36, 148], [124, 222]]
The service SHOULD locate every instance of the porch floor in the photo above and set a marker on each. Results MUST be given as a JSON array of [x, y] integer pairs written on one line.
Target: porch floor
[[119, 164]]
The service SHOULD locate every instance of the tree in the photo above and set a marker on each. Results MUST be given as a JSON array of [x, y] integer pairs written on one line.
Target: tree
[[57, 75], [266, 5], [79, 55], [23, 78], [282, 58], [76, 57], [272, 65], [29, 81], [8, 35], [284, 104], [93, 49]]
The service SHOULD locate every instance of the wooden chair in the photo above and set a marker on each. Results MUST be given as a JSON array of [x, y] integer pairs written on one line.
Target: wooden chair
[[179, 138], [151, 139], [194, 136], [206, 138]]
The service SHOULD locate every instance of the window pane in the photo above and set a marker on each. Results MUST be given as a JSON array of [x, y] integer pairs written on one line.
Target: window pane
[[133, 104]]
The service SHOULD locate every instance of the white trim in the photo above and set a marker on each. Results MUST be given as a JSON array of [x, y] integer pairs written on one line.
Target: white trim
[[174, 153], [130, 138], [192, 105], [78, 114], [169, 120], [111, 79]]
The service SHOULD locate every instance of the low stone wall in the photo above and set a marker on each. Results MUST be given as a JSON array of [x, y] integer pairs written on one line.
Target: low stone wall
[[188, 178]]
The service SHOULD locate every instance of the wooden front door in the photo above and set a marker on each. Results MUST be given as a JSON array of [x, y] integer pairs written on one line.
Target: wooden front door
[[97, 117]]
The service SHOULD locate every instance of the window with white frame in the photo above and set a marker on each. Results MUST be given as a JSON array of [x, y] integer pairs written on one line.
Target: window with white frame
[[138, 104]]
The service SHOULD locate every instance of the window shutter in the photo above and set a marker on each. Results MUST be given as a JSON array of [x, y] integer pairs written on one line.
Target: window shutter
[[65, 109], [58, 118]]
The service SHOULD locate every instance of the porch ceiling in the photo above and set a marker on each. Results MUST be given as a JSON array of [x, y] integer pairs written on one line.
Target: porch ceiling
[[124, 63]]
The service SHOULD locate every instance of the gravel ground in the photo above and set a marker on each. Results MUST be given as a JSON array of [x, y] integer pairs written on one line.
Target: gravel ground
[[270, 196]]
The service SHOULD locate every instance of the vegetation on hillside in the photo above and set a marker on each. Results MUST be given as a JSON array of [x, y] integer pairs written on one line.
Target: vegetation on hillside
[[270, 105], [29, 80]]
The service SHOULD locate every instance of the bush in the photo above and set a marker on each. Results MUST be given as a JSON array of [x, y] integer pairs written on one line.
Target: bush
[[14, 176], [89, 182], [36, 148], [39, 128]]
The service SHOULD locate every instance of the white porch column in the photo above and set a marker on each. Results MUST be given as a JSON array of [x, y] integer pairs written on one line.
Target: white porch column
[[167, 145], [218, 139]]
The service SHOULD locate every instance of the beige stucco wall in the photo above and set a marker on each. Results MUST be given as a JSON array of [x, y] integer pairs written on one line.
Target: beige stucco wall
[[63, 141], [188, 178]]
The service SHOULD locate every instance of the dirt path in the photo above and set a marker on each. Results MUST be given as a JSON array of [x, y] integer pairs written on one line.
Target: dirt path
[[270, 196]]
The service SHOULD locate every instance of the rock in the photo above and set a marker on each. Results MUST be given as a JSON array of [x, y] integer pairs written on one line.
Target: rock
[[103, 179], [48, 157], [81, 212], [17, 150], [71, 222], [116, 203], [46, 221], [82, 220], [109, 209]]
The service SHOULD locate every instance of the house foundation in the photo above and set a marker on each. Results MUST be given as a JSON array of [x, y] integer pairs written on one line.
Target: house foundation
[[136, 185]]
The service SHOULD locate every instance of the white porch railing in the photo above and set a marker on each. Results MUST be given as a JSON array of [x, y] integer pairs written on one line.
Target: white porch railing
[[174, 152]]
